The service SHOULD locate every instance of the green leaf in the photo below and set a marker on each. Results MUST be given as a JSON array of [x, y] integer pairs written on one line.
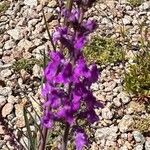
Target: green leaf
[[31, 139]]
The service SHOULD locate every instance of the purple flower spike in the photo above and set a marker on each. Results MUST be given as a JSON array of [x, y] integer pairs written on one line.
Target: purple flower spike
[[68, 77]]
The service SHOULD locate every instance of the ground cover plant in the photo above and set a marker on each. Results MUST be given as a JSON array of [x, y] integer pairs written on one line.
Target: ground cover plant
[[4, 6], [104, 51]]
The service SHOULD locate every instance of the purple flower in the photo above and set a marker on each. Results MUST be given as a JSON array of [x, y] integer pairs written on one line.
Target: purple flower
[[81, 69], [93, 75], [52, 67], [68, 78], [74, 15], [59, 33], [54, 100], [80, 140], [92, 116], [66, 75], [66, 114], [48, 120], [80, 42]]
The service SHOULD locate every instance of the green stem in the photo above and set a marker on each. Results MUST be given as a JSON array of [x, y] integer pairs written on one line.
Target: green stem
[[43, 139], [65, 137]]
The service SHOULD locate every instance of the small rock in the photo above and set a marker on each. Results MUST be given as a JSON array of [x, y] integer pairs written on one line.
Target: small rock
[[105, 21], [124, 147], [139, 138], [98, 96], [24, 74], [117, 102], [109, 97], [124, 136], [127, 20], [15, 33], [109, 133], [36, 71], [95, 86], [145, 6], [32, 22], [124, 97], [6, 73], [107, 114], [52, 3], [147, 144], [2, 101], [138, 147], [31, 3], [25, 45], [110, 86], [7, 109], [5, 91], [130, 137], [9, 45], [11, 99], [102, 6], [126, 123]]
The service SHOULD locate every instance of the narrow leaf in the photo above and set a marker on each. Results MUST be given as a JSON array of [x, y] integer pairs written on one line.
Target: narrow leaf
[[28, 130]]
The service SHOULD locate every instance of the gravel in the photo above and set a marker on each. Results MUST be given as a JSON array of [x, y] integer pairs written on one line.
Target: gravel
[[25, 37]]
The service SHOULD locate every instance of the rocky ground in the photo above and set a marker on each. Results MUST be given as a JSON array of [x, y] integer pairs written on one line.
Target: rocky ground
[[23, 35]]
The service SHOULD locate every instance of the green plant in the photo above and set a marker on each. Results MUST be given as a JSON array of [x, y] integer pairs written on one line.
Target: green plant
[[135, 3], [141, 124], [104, 51], [4, 6], [137, 79], [26, 64]]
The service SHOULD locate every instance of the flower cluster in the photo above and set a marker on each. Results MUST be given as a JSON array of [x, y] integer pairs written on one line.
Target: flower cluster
[[68, 77]]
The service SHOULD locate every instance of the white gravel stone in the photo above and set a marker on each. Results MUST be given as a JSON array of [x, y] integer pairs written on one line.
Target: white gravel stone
[[139, 138], [15, 33], [125, 123], [5, 73], [138, 147], [9, 45], [124, 97], [5, 91], [2, 101], [36, 71], [124, 147], [110, 86], [145, 6], [107, 113], [95, 86], [147, 145], [7, 109], [127, 20], [109, 133], [31, 3], [117, 102]]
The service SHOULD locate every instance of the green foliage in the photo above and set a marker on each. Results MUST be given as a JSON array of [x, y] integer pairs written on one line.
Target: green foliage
[[27, 64], [141, 124], [137, 79], [4, 6], [104, 51], [135, 3]]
